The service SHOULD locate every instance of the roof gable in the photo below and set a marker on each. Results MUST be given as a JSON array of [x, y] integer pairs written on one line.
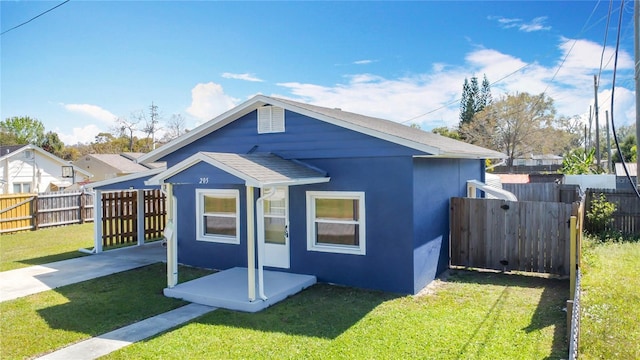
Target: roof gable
[[426, 142], [14, 150]]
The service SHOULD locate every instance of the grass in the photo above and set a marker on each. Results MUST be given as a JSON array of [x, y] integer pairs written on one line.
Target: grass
[[610, 298], [472, 315], [50, 320], [43, 246]]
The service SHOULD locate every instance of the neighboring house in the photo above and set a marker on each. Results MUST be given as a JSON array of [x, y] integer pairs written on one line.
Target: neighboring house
[[532, 164], [350, 199], [622, 182], [30, 169], [108, 166]]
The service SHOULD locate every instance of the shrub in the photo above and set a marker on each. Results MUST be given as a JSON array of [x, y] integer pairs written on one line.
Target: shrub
[[599, 215]]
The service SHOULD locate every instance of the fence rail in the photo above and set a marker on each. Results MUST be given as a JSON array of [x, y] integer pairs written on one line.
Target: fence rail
[[507, 235], [626, 218], [20, 212]]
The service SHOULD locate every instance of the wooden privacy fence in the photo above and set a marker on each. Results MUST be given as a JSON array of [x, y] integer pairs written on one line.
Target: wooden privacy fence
[[120, 220], [626, 218], [507, 235], [33, 211], [553, 192]]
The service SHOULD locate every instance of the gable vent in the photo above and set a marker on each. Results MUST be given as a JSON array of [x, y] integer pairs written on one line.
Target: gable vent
[[270, 119]]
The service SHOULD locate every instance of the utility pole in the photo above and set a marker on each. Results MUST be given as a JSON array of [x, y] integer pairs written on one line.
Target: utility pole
[[636, 17], [609, 167], [595, 88]]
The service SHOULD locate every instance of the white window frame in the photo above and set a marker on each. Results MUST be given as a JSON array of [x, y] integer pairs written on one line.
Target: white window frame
[[227, 193], [270, 119], [312, 244], [22, 185]]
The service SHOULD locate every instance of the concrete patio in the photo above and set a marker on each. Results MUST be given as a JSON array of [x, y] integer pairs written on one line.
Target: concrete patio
[[228, 289]]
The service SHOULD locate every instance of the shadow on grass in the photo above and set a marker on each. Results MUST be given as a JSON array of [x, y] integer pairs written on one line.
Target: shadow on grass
[[52, 258], [321, 311], [97, 306], [547, 313]]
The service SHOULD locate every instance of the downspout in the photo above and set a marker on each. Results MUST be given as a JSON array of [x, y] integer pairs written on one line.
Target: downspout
[[170, 235], [260, 227]]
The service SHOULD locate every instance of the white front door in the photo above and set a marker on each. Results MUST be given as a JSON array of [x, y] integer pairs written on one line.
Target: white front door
[[276, 229]]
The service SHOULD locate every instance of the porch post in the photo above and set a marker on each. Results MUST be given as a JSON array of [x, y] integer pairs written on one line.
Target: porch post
[[97, 221], [172, 243], [251, 245]]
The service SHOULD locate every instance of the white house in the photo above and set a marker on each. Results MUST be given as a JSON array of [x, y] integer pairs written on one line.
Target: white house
[[30, 169]]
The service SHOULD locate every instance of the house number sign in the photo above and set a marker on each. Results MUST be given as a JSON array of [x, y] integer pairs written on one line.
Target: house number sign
[[204, 180]]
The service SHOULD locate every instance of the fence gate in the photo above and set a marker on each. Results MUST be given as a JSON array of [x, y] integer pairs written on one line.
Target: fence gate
[[120, 218], [508, 235]]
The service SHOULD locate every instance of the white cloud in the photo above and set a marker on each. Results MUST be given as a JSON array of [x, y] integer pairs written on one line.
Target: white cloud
[[93, 111], [363, 62], [536, 24], [432, 99], [83, 135], [209, 100], [245, 76]]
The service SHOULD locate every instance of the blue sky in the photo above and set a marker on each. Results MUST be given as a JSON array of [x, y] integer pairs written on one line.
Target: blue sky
[[82, 65]]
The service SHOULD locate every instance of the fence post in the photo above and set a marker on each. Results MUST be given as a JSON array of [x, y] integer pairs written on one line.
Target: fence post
[[81, 207], [572, 257], [97, 220], [140, 215], [35, 212]]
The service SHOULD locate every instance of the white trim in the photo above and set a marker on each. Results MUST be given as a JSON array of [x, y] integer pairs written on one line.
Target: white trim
[[312, 245], [226, 193], [249, 181]]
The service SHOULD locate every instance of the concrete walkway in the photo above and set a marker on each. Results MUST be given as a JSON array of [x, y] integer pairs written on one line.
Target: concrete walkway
[[34, 279], [117, 339]]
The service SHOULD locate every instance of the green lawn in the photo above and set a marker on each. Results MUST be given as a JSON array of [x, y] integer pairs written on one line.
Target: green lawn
[[610, 326], [50, 320], [470, 316], [44, 246]]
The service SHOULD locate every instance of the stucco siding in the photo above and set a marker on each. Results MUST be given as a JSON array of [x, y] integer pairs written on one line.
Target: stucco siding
[[435, 182]]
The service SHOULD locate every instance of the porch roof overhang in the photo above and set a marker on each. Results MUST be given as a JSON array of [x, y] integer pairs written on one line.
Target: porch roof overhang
[[257, 170]]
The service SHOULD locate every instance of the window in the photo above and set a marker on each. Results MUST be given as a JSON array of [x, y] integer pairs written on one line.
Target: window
[[336, 222], [270, 120], [19, 188], [217, 216]]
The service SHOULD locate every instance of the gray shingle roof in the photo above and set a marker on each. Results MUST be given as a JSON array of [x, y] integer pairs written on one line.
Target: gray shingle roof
[[427, 143], [119, 162], [447, 146], [264, 168]]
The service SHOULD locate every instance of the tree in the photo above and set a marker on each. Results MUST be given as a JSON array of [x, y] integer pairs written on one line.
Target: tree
[[474, 99], [126, 127], [628, 148], [176, 126], [51, 143], [516, 125], [24, 129], [579, 162], [445, 131]]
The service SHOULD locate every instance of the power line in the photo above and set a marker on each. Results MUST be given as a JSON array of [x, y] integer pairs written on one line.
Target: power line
[[613, 87], [35, 17]]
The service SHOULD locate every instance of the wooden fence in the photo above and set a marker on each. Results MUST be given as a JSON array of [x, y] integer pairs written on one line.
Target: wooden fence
[[552, 192], [120, 211], [626, 218], [20, 212], [507, 235]]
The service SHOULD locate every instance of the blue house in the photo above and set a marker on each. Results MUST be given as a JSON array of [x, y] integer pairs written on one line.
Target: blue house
[[275, 185]]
